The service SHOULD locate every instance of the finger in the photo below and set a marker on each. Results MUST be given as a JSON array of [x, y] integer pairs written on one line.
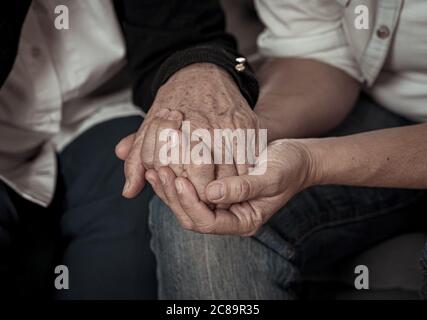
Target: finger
[[148, 144], [220, 222], [200, 174], [154, 180], [224, 171], [178, 166], [250, 219], [167, 147], [202, 217], [134, 171], [226, 167], [167, 180], [238, 189], [241, 166], [124, 146]]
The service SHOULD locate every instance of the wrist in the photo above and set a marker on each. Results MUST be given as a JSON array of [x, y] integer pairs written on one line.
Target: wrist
[[297, 157], [220, 57], [315, 162], [202, 74], [201, 88]]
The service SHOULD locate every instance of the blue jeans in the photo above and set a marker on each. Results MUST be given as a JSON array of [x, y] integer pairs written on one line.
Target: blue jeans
[[317, 228], [100, 236]]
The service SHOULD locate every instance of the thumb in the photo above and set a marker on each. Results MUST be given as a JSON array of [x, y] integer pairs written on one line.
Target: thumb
[[237, 189]]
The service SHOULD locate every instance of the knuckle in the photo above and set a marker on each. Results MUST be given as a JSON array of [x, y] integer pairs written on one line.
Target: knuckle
[[251, 232], [251, 224], [207, 229], [243, 189], [184, 206], [258, 222], [187, 225], [129, 166], [148, 160], [201, 167], [177, 169]]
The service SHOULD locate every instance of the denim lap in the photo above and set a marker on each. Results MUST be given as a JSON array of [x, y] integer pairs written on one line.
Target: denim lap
[[197, 266], [317, 228]]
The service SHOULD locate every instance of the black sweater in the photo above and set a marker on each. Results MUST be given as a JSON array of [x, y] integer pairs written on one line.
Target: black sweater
[[162, 36]]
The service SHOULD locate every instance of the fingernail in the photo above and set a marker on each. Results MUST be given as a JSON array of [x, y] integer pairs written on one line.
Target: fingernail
[[149, 179], [162, 179], [127, 186], [215, 191], [179, 186]]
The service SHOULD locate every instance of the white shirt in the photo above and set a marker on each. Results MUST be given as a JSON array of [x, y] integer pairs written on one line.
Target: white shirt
[[390, 57], [59, 87]]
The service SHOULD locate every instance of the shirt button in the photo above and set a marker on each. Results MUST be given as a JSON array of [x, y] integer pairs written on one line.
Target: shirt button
[[35, 52], [383, 32]]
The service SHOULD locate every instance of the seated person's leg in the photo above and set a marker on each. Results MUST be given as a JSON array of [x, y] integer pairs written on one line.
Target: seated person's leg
[[196, 266], [318, 227], [105, 236]]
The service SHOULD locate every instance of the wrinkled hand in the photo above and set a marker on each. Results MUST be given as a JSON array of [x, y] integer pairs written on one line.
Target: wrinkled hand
[[206, 96], [254, 198]]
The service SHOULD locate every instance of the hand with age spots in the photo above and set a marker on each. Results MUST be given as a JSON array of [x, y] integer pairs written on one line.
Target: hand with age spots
[[252, 199], [207, 97]]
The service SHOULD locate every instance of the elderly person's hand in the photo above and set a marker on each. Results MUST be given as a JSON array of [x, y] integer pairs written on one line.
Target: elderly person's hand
[[207, 97], [253, 198]]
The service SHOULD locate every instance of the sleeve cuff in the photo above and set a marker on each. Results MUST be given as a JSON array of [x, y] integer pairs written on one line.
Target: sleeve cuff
[[245, 80]]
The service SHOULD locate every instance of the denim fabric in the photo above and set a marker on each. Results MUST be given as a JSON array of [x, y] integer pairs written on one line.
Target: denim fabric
[[100, 236], [196, 266], [105, 237], [317, 228]]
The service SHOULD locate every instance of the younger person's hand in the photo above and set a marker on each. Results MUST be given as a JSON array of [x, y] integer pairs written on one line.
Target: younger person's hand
[[253, 198]]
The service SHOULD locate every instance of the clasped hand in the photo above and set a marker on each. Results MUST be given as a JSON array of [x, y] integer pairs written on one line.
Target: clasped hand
[[211, 198]]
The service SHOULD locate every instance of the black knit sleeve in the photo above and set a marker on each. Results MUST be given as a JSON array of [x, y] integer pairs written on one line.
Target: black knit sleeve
[[163, 36]]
